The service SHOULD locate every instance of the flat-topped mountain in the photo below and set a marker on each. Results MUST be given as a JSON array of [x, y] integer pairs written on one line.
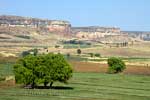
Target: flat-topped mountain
[[52, 25]]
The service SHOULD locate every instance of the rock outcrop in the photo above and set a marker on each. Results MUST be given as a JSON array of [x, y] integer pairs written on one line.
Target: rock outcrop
[[57, 26]]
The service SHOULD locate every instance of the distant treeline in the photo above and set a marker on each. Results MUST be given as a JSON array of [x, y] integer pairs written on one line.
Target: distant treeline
[[77, 42]]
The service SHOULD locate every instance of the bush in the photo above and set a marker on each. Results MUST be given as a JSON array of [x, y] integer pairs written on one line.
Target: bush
[[2, 79], [68, 55], [91, 54], [32, 51], [25, 53], [57, 46], [79, 51], [97, 55], [116, 65]]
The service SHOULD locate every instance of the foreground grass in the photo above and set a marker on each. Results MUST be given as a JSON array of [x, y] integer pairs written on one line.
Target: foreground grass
[[87, 86]]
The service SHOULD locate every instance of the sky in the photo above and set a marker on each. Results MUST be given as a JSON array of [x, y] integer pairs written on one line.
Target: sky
[[129, 15]]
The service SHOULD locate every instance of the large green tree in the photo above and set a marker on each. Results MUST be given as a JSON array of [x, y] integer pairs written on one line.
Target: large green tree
[[44, 69], [25, 70], [58, 69]]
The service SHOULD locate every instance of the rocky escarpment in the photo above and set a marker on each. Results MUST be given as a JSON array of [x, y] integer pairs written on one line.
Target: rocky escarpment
[[58, 26]]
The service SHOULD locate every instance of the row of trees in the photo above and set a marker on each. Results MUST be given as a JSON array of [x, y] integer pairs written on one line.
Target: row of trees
[[42, 69]]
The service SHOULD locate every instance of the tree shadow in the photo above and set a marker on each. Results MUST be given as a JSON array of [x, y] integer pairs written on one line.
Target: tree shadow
[[62, 88], [53, 87]]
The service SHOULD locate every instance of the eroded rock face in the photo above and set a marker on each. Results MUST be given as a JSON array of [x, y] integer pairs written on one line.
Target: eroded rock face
[[57, 26], [92, 29], [95, 32], [94, 35], [60, 27]]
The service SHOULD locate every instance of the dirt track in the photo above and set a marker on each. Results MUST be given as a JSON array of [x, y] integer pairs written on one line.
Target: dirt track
[[97, 67]]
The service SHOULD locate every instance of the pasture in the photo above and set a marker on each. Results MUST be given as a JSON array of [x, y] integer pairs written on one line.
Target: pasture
[[90, 81], [87, 86]]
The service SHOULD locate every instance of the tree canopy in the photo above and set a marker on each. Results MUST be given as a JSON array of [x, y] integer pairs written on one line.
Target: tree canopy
[[78, 51], [48, 68], [116, 65]]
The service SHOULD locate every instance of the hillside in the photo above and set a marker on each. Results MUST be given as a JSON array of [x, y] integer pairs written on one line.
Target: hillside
[[23, 33], [26, 36]]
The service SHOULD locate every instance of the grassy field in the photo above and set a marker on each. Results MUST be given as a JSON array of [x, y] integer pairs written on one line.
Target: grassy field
[[6, 69], [76, 46], [87, 86]]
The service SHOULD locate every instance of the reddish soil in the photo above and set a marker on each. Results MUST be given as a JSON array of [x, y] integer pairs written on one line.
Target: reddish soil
[[6, 84], [97, 67]]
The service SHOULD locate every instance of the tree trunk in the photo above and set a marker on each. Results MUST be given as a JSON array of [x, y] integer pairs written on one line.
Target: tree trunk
[[51, 84], [45, 84], [33, 85]]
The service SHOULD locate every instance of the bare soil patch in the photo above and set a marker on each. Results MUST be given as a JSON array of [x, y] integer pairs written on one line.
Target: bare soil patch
[[102, 68], [6, 84]]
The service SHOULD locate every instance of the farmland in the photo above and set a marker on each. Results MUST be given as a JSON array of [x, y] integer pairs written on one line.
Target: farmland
[[87, 86], [103, 68], [90, 81]]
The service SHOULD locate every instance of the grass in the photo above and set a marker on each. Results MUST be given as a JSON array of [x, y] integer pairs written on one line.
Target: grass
[[75, 58], [86, 57], [6, 69], [87, 86], [136, 59], [75, 46]]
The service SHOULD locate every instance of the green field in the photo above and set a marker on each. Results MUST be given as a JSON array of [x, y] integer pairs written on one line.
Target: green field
[[75, 46], [6, 69], [87, 86]]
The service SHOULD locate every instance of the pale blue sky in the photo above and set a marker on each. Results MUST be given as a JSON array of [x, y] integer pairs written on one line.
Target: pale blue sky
[[126, 14]]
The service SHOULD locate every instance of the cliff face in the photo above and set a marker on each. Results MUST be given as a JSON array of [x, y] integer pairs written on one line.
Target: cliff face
[[56, 26], [59, 26], [95, 32], [91, 29]]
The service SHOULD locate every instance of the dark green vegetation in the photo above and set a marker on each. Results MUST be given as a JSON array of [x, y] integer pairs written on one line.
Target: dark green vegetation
[[32, 51], [42, 69], [94, 55], [23, 36], [75, 41], [116, 65], [79, 51], [76, 44], [87, 86]]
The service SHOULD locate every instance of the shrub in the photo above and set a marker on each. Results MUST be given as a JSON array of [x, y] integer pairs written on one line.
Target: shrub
[[97, 55], [116, 65], [25, 53], [57, 46], [78, 51], [32, 51], [68, 55], [91, 54], [2, 79]]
